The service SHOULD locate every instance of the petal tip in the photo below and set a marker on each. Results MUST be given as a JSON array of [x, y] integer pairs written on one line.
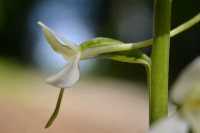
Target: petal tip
[[42, 25]]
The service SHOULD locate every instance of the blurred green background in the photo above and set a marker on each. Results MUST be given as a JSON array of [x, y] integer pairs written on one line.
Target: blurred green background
[[26, 60]]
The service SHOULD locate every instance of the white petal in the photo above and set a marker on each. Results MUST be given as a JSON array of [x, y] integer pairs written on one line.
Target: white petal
[[65, 48], [191, 109], [68, 76], [172, 124], [193, 118], [189, 78]]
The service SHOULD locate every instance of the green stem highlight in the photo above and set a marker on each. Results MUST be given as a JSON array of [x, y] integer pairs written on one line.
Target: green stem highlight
[[160, 60], [56, 110], [148, 72], [185, 26]]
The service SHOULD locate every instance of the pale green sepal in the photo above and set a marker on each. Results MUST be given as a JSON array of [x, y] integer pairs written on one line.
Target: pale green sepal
[[134, 56], [65, 48], [98, 42]]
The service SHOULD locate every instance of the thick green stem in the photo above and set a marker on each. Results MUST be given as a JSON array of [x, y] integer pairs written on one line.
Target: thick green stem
[[160, 60]]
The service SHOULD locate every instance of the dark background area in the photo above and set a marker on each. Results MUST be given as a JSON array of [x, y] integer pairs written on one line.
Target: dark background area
[[127, 20]]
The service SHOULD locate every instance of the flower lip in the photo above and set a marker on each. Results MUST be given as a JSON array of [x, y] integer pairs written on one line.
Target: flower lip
[[67, 77]]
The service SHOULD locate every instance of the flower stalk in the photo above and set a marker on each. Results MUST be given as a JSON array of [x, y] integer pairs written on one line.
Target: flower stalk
[[56, 110]]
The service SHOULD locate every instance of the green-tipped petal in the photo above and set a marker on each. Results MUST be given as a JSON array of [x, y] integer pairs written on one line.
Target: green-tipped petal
[[63, 47]]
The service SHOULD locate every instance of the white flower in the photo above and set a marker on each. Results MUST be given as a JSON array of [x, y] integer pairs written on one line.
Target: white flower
[[70, 74], [74, 53], [189, 79], [67, 77], [186, 94], [172, 124]]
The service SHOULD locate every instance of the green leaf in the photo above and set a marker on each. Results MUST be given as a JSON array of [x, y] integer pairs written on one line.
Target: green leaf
[[134, 56]]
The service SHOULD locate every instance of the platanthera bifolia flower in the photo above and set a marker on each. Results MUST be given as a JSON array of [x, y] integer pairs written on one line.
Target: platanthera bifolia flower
[[186, 95], [70, 74], [74, 53]]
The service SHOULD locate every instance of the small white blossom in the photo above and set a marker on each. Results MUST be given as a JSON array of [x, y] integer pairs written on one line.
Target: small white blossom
[[70, 74], [88, 49], [186, 94], [172, 124], [74, 53], [189, 78]]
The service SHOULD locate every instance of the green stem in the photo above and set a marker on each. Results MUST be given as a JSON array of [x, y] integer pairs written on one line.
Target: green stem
[[179, 29], [160, 60], [148, 72], [56, 110], [185, 26]]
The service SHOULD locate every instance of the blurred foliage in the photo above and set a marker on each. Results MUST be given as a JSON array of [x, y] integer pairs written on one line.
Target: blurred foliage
[[16, 77], [13, 27]]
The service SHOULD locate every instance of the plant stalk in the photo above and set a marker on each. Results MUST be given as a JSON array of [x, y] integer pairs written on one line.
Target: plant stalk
[[160, 60], [56, 110]]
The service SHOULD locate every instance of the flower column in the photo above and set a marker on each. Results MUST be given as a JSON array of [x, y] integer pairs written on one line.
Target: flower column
[[160, 60]]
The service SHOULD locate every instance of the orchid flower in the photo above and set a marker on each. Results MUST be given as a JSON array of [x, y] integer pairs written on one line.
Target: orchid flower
[[70, 74], [186, 95], [67, 77]]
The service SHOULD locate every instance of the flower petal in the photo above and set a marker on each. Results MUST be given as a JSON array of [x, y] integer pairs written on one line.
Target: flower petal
[[172, 124], [191, 109], [68, 76], [65, 48], [187, 93], [193, 118], [188, 79]]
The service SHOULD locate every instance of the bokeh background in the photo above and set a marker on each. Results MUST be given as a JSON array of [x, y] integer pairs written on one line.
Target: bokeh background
[[111, 96]]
